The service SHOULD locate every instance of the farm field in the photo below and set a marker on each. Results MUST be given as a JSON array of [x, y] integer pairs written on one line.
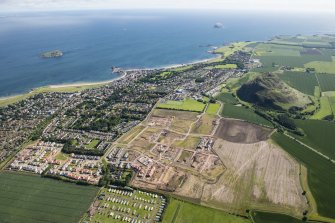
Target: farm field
[[325, 109], [184, 212], [327, 82], [241, 132], [212, 108], [282, 54], [319, 135], [303, 82], [227, 98], [267, 217], [239, 112], [186, 105], [26, 198], [327, 67], [259, 175], [332, 103], [321, 174]]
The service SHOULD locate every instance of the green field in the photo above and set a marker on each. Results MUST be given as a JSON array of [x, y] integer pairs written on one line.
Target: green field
[[212, 108], [239, 112], [223, 66], [319, 134], [185, 105], [321, 173], [325, 109], [93, 144], [327, 82], [322, 66], [227, 98], [266, 49], [266, 217], [183, 212], [285, 55], [332, 103], [226, 51], [182, 68], [303, 82], [32, 199]]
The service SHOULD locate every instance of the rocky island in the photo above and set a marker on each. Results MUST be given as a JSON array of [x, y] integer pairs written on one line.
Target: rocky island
[[52, 54]]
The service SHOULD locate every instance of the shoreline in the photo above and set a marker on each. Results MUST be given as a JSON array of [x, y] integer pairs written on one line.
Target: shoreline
[[87, 84]]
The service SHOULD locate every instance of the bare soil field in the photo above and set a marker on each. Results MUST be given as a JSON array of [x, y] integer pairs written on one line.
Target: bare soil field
[[180, 120], [205, 125], [190, 142], [241, 132], [257, 175]]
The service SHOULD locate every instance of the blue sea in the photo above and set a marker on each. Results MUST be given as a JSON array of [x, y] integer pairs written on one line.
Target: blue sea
[[94, 41]]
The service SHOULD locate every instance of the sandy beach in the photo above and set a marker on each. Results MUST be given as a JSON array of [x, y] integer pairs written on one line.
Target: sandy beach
[[83, 84]]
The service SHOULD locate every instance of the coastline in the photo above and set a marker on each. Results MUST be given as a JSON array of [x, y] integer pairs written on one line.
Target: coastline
[[77, 86]]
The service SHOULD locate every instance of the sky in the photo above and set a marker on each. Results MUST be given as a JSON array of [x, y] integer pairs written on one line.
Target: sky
[[277, 5]]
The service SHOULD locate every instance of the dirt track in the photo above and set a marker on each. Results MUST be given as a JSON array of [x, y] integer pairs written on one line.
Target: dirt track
[[241, 132]]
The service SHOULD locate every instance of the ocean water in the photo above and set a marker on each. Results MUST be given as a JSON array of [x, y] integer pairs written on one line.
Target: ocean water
[[94, 41]]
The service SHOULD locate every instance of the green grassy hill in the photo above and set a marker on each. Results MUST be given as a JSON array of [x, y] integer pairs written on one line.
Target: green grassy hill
[[271, 92]]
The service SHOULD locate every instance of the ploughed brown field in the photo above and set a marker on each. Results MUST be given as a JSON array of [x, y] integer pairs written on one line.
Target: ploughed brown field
[[241, 132]]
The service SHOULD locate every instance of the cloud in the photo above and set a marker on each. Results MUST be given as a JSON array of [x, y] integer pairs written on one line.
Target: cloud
[[293, 5]]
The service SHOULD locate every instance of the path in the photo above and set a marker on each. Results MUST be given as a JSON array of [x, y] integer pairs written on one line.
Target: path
[[310, 148]]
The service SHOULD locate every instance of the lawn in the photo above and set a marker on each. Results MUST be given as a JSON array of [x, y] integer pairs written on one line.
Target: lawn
[[212, 108], [322, 66], [62, 156], [239, 112], [325, 109], [182, 68], [319, 134], [185, 105], [93, 144], [223, 66], [321, 173], [266, 217], [32, 199], [184, 212], [327, 82], [303, 82]]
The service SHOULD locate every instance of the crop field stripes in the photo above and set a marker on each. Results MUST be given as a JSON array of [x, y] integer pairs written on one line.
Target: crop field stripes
[[30, 199], [176, 213], [310, 148], [329, 101]]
